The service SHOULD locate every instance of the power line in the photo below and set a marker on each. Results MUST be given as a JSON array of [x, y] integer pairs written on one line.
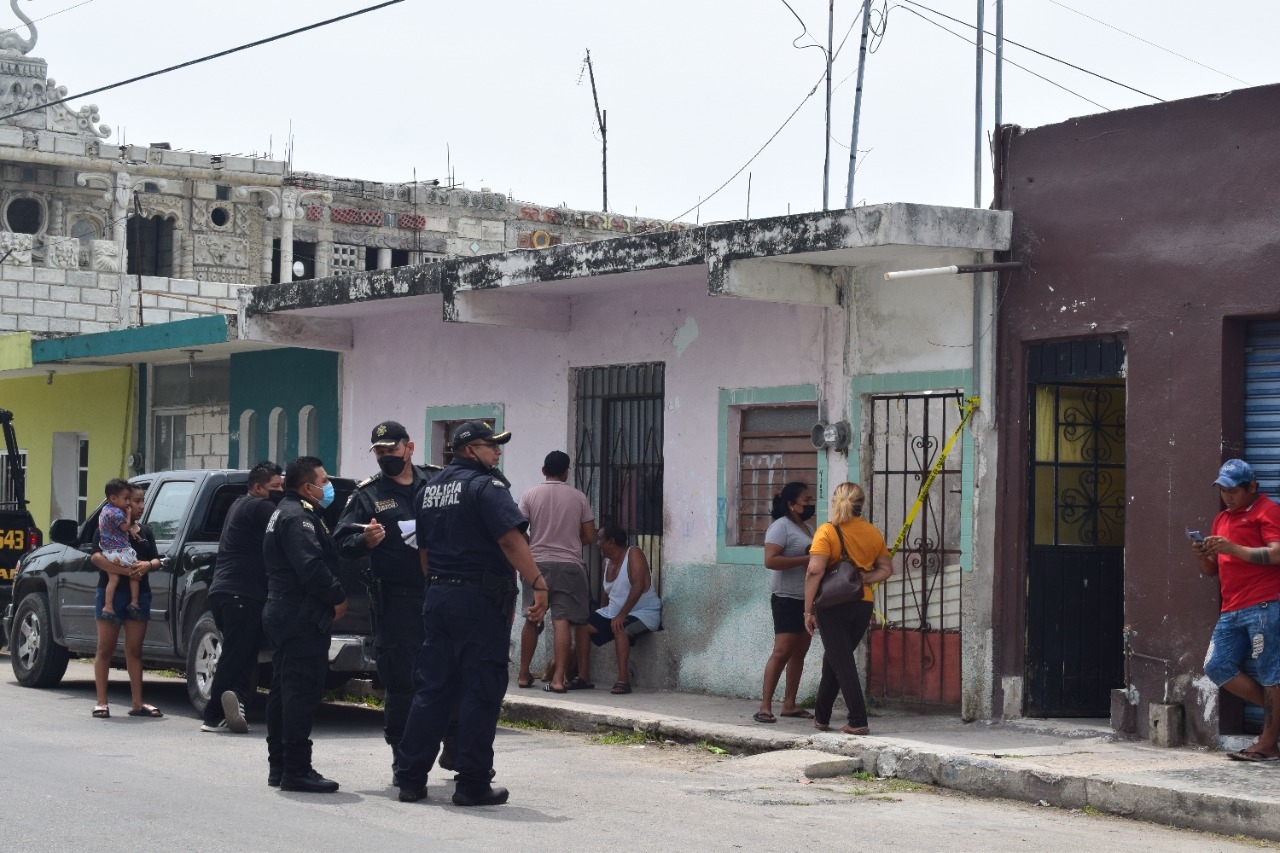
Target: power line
[[805, 28], [189, 63], [783, 127], [1037, 52], [48, 16], [1006, 59], [1151, 43]]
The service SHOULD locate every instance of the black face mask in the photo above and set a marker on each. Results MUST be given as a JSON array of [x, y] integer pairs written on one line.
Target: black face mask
[[806, 512], [275, 496], [391, 465]]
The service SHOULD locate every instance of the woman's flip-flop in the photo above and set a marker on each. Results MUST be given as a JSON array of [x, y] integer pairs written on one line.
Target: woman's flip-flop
[[799, 713], [551, 689], [764, 717], [522, 685], [1251, 755], [102, 712], [146, 711]]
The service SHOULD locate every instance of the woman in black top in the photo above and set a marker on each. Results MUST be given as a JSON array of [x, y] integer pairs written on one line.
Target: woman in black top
[[134, 628]]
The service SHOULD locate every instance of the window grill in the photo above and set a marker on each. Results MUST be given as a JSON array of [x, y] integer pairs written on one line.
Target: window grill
[[915, 653], [618, 454]]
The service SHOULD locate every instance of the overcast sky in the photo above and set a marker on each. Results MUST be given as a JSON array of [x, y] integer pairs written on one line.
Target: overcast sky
[[692, 87]]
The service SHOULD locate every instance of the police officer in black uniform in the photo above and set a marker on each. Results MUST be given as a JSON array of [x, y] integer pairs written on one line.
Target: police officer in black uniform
[[304, 598], [370, 526], [470, 536]]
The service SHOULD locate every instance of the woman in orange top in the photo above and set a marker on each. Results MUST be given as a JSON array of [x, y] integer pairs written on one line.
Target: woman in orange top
[[843, 625]]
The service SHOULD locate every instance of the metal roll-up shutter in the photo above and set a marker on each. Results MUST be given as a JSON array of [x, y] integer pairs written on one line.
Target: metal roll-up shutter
[[1261, 436], [1262, 403]]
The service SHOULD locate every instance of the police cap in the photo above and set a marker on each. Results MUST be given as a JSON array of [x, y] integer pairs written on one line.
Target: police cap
[[388, 434], [477, 431]]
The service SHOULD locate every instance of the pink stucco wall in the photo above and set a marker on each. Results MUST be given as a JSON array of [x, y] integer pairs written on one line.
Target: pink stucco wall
[[403, 362]]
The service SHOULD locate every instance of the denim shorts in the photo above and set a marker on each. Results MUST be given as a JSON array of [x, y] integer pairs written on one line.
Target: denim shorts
[[122, 601], [1249, 632]]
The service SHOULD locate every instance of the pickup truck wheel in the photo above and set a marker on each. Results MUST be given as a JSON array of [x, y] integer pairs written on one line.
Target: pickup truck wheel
[[202, 661], [37, 660]]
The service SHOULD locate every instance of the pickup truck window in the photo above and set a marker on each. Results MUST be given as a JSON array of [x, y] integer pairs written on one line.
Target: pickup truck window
[[223, 498], [164, 516]]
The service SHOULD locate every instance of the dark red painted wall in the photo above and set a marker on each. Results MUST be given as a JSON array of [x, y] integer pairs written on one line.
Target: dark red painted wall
[[1159, 224]]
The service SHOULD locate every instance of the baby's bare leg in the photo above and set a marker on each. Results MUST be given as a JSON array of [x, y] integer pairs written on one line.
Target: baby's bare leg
[[134, 586], [113, 583]]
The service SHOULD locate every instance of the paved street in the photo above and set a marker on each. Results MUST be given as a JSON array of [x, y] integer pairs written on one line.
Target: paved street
[[74, 783]]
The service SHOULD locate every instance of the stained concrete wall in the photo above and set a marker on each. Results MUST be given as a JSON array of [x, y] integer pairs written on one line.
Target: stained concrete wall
[[1158, 225]]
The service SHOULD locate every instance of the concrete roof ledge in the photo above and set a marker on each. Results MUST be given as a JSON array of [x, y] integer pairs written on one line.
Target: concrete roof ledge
[[778, 259]]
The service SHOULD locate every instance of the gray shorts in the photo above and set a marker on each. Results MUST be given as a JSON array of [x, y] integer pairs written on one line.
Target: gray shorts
[[567, 592]]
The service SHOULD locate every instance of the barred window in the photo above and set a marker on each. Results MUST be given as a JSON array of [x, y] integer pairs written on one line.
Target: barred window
[[774, 448]]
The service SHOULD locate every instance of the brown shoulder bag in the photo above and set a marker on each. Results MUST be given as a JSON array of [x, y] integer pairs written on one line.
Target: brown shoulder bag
[[842, 583]]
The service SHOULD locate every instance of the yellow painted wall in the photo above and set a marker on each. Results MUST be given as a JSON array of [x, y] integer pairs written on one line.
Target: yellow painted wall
[[100, 403]]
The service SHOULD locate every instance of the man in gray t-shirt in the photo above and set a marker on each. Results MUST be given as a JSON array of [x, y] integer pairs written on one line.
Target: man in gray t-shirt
[[560, 523]]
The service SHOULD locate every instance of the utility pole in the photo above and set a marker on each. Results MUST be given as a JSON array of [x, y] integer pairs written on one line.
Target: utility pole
[[977, 132], [857, 102], [602, 121], [826, 142], [999, 105]]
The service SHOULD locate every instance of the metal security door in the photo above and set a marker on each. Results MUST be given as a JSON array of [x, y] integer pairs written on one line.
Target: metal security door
[[915, 653], [618, 458], [1075, 565], [1262, 403]]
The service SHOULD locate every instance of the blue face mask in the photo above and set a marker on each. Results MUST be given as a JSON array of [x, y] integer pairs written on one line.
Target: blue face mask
[[327, 498]]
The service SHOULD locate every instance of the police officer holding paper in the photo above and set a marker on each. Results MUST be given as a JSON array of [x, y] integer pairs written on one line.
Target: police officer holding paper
[[370, 526], [304, 598], [470, 536]]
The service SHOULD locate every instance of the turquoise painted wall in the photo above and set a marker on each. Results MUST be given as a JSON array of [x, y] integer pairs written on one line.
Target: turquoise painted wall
[[288, 379]]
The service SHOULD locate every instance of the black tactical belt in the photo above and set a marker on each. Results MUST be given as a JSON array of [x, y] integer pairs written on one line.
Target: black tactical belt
[[451, 580]]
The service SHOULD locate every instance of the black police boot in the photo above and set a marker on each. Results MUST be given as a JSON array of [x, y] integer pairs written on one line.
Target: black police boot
[[491, 797], [412, 795], [275, 772], [309, 782]]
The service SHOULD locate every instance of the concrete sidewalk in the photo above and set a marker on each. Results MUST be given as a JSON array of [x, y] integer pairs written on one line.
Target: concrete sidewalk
[[1062, 763]]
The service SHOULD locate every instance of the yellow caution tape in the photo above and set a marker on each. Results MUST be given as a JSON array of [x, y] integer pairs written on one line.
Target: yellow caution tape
[[967, 408]]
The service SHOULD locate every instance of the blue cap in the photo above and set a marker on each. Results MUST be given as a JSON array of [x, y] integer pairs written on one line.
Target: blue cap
[[1233, 473]]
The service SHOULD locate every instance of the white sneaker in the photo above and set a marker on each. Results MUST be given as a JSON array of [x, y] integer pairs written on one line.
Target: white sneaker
[[233, 711], [220, 726]]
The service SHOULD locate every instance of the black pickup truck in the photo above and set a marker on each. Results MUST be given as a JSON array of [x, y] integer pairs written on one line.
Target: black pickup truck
[[18, 531], [51, 615]]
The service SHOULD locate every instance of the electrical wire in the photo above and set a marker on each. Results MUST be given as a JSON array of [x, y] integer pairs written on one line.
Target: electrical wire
[[805, 32], [783, 127], [47, 17], [1005, 59], [1151, 43], [191, 62], [1008, 40]]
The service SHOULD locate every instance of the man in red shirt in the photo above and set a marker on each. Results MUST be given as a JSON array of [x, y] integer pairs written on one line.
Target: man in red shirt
[[1244, 553]]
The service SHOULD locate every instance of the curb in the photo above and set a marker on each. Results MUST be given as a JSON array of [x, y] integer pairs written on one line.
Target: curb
[[1179, 803]]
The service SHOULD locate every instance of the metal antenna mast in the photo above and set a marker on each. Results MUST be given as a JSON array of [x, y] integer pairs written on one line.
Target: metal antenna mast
[[602, 121]]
